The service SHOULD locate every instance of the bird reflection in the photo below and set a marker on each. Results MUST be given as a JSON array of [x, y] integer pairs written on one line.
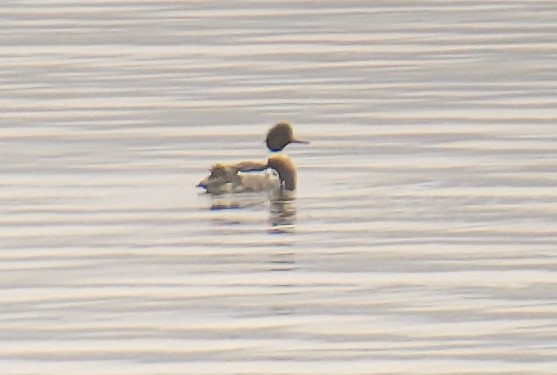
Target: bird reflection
[[282, 215], [282, 210]]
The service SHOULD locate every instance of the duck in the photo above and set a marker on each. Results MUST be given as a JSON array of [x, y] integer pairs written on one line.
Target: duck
[[233, 178], [280, 136], [277, 175]]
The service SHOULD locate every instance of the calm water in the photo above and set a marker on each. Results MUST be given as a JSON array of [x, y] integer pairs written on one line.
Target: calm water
[[423, 239]]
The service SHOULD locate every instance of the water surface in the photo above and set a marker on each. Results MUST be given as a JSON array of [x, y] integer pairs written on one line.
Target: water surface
[[423, 237]]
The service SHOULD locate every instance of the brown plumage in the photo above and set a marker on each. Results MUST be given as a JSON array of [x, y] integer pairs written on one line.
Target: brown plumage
[[280, 136], [235, 177]]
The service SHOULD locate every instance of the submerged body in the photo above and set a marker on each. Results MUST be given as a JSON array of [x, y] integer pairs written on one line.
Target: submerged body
[[227, 179], [277, 175]]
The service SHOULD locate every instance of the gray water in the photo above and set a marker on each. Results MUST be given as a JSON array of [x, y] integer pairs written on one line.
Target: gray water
[[423, 239]]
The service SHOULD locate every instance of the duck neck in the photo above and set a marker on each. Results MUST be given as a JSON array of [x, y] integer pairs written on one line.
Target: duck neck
[[287, 178]]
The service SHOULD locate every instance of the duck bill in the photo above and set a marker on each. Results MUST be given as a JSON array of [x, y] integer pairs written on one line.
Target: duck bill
[[300, 141], [203, 183]]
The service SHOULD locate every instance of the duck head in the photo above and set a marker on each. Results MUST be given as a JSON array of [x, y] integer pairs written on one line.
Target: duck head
[[222, 178], [280, 136]]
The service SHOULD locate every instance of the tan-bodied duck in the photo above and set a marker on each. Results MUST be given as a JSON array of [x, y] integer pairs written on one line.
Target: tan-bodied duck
[[278, 173], [278, 176]]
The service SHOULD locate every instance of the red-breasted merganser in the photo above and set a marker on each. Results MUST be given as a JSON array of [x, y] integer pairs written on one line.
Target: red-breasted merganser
[[278, 172], [279, 175]]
